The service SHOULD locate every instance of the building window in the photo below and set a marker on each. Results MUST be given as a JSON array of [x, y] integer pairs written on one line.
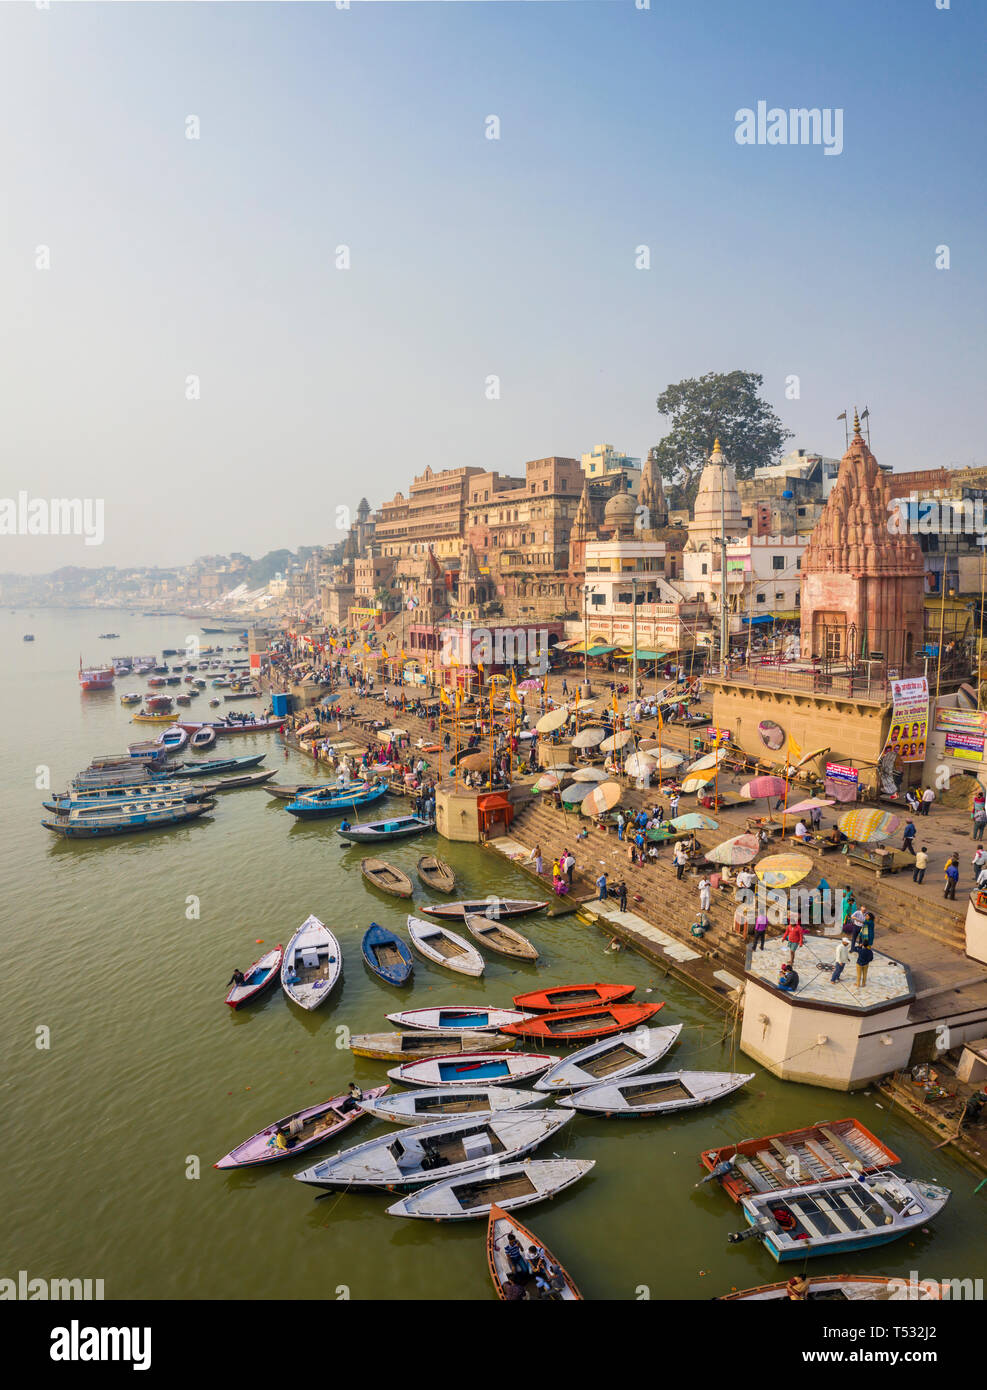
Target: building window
[[777, 562], [760, 598]]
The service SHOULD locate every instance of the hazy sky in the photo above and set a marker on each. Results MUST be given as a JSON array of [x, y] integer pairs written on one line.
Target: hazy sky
[[470, 257]]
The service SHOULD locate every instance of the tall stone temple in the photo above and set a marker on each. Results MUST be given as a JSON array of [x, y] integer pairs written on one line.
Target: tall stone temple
[[863, 585]]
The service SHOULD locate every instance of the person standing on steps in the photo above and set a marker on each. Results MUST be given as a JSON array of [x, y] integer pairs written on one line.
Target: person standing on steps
[[601, 884], [921, 864], [680, 859], [622, 895], [704, 895]]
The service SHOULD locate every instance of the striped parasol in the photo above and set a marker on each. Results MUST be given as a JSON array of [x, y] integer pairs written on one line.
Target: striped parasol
[[864, 824], [603, 797], [741, 849], [783, 870]]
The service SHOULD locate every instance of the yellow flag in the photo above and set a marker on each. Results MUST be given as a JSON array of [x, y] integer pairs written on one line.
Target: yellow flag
[[383, 652], [366, 646], [661, 722], [444, 696], [404, 654], [459, 698], [794, 751]]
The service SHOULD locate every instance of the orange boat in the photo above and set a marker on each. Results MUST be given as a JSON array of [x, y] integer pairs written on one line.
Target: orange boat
[[572, 997], [583, 1025], [818, 1153]]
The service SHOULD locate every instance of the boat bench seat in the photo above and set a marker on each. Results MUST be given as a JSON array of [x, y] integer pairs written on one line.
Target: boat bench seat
[[310, 959]]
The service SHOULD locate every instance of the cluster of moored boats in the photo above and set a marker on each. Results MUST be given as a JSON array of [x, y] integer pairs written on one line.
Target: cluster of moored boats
[[470, 1120], [119, 794]]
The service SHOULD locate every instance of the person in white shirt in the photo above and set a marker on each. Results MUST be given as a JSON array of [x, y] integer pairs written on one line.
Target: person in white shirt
[[980, 858], [801, 831], [928, 796], [982, 878], [704, 895]]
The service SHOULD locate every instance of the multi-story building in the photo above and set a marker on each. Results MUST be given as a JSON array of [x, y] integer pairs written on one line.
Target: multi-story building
[[604, 463], [432, 516], [519, 530]]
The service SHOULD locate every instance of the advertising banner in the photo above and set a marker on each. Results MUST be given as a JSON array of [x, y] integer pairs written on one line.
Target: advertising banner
[[909, 720], [969, 747]]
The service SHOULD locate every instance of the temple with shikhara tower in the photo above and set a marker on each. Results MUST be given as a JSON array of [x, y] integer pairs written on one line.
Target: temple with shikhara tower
[[863, 584]]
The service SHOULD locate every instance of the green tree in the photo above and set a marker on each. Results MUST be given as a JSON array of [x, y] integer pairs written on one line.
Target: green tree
[[727, 406]]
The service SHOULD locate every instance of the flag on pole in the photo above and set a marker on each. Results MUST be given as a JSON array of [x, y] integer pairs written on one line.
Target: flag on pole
[[794, 751], [841, 417]]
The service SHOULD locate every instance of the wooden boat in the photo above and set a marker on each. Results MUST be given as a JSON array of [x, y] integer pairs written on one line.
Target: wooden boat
[[846, 1288], [447, 1103], [291, 791], [213, 704], [614, 1057], [496, 908], [147, 717], [202, 738], [312, 964], [97, 822], [132, 698], [834, 1218], [173, 740], [213, 766], [413, 1044], [514, 1185], [387, 955], [329, 801], [312, 1126], [500, 1228], [443, 947], [659, 1093], [797, 1157], [257, 979], [130, 774], [581, 1025], [248, 779], [572, 997], [500, 938], [235, 726], [385, 877], [488, 1068], [28, 637], [455, 1146], [436, 874], [476, 1017], [183, 699], [399, 828]]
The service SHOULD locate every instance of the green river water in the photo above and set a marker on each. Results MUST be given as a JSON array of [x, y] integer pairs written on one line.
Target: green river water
[[148, 1071]]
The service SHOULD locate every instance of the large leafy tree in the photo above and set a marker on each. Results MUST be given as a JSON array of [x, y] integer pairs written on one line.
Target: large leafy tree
[[727, 406]]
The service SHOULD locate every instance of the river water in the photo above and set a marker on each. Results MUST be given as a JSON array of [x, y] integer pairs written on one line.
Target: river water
[[112, 1130]]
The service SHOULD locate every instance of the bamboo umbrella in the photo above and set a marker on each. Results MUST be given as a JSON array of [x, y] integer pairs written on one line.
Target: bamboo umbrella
[[603, 797]]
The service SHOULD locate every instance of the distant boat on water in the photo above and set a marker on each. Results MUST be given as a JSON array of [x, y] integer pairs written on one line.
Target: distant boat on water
[[96, 677], [28, 637]]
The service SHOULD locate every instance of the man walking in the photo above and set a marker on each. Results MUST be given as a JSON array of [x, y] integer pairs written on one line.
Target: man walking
[[842, 957], [979, 819], [908, 837], [680, 859], [622, 895], [921, 864], [928, 796], [952, 875], [601, 884]]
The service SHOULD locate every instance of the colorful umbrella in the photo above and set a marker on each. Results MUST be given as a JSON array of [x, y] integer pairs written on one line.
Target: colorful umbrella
[[618, 740], [695, 820], [696, 784], [768, 787], [530, 685], [555, 718], [589, 774], [589, 738], [783, 870], [602, 798], [740, 850], [809, 805], [576, 791], [863, 825], [547, 782]]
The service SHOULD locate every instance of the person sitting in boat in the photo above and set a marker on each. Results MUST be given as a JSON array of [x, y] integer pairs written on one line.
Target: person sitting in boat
[[515, 1254], [283, 1139], [797, 1289], [237, 978], [352, 1101], [291, 977]]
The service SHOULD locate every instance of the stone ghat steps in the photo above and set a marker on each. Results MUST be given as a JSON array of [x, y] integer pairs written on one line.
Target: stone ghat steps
[[674, 905], [665, 901]]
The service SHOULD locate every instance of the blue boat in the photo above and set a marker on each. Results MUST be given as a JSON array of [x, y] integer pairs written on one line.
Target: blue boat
[[328, 801], [395, 829], [95, 822], [387, 955]]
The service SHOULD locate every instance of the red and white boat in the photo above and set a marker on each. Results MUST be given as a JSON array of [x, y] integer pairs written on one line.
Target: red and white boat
[[261, 975], [96, 677]]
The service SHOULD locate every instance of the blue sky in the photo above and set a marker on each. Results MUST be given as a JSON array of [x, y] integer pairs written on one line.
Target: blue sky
[[469, 257]]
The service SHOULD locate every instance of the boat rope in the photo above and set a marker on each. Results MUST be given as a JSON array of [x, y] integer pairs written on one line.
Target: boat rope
[[322, 1196]]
